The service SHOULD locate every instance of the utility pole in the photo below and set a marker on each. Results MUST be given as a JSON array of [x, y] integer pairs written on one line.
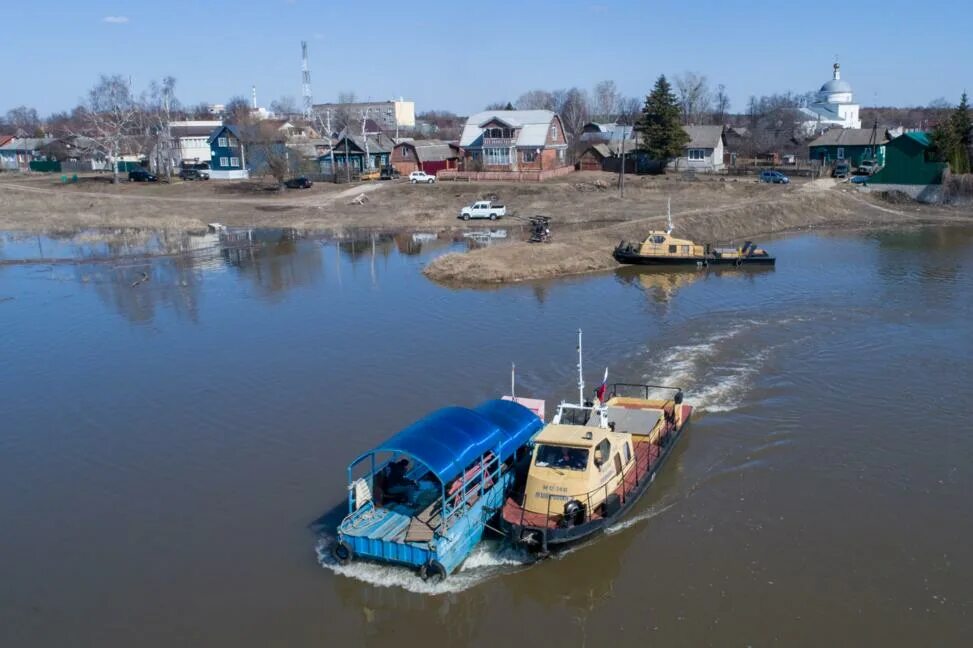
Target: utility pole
[[364, 137], [621, 171]]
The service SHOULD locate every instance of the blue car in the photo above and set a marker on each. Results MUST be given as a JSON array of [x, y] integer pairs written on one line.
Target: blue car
[[774, 177]]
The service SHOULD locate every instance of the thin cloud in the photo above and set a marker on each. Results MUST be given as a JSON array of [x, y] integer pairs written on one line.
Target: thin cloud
[[115, 20]]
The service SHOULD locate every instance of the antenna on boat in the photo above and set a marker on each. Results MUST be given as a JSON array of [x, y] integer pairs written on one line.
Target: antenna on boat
[[669, 216], [513, 380], [580, 373]]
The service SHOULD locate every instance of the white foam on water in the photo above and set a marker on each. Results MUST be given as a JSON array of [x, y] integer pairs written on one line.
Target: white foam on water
[[487, 560], [648, 514], [712, 386]]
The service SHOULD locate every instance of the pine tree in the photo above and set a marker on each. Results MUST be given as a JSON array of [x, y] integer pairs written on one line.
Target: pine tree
[[962, 137], [660, 124]]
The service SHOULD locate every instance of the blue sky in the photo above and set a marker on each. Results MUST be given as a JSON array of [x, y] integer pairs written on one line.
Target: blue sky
[[461, 55]]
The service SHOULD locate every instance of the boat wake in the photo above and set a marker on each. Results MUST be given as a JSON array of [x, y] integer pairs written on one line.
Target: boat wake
[[489, 559], [715, 376], [631, 521]]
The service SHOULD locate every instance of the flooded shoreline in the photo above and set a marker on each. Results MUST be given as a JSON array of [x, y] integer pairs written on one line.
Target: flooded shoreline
[[172, 452]]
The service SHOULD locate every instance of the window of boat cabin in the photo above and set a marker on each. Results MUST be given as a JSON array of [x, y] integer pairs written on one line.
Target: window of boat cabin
[[602, 452], [658, 239], [628, 453], [553, 456], [672, 249], [618, 464]]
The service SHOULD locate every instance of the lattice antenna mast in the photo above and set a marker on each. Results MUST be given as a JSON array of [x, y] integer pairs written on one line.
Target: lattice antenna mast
[[306, 82]]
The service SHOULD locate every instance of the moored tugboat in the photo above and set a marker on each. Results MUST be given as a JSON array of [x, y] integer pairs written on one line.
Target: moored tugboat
[[592, 463], [661, 248]]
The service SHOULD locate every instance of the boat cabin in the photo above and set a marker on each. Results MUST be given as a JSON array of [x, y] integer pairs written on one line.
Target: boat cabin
[[664, 244], [423, 497]]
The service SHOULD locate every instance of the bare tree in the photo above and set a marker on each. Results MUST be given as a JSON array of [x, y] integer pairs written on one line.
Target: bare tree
[[574, 108], [267, 152], [237, 110], [111, 117], [629, 110], [25, 120], [158, 104], [535, 100], [606, 100], [721, 104], [285, 106], [694, 96]]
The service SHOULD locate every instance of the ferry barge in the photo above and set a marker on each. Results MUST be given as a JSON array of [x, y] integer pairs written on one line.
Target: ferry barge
[[423, 497], [592, 463]]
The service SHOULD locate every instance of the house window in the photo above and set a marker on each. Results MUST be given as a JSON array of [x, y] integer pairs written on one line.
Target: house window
[[697, 154], [405, 152], [497, 156], [222, 142], [841, 153], [224, 162], [530, 156], [554, 133], [234, 161]]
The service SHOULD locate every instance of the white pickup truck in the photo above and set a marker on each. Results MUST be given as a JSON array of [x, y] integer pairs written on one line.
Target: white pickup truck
[[483, 209]]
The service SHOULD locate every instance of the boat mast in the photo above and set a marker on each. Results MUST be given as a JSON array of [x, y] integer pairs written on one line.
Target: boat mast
[[669, 216], [580, 373], [513, 380]]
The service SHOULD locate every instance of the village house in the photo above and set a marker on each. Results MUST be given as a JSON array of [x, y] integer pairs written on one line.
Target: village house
[[595, 132], [17, 153], [851, 144], [910, 167], [703, 152], [431, 156], [228, 160], [192, 138], [350, 150], [513, 140]]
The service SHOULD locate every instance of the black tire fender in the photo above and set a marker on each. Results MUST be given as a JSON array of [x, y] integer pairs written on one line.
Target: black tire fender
[[433, 572], [342, 553]]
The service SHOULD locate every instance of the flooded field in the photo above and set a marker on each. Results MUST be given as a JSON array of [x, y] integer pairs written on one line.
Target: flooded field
[[178, 413]]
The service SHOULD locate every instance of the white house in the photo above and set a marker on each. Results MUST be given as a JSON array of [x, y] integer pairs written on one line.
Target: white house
[[835, 106], [193, 138], [704, 151]]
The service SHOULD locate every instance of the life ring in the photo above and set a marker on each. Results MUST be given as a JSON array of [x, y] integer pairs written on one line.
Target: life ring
[[432, 572], [342, 553]]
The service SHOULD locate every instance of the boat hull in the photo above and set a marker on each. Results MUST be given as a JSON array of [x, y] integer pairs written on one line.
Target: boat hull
[[545, 540], [630, 258]]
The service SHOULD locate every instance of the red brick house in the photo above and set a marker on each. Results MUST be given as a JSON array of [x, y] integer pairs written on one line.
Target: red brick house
[[513, 140], [431, 156]]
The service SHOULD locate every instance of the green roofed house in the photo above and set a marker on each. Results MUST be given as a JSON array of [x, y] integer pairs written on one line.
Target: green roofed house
[[850, 144], [910, 168]]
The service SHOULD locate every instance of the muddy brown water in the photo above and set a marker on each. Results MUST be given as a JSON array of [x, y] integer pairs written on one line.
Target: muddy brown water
[[167, 448]]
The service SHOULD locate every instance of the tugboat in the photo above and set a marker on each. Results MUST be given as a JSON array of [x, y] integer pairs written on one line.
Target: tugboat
[[593, 462], [424, 496], [661, 248]]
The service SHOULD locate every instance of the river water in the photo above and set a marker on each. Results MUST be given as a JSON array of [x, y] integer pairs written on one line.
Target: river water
[[175, 429]]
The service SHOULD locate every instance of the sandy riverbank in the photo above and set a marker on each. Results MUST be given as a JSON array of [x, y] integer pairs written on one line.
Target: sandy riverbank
[[589, 216]]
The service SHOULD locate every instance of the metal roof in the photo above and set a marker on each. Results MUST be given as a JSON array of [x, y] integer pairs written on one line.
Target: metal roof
[[849, 137], [703, 136], [450, 439], [532, 125], [431, 150]]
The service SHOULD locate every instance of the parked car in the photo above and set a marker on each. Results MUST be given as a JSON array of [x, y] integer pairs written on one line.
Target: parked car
[[421, 176], [867, 167], [141, 175], [301, 182], [859, 179], [389, 173], [774, 177], [841, 170], [193, 174], [483, 209]]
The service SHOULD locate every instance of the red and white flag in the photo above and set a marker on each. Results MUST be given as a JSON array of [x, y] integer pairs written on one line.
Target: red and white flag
[[601, 389]]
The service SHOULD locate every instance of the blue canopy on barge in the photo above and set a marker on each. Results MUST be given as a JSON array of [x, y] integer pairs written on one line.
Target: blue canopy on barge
[[448, 440]]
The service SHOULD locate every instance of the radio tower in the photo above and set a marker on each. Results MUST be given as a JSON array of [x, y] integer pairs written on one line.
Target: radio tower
[[306, 82]]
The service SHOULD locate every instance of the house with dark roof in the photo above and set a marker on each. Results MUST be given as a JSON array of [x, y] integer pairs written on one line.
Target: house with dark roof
[[513, 140], [431, 156], [192, 138], [17, 153], [228, 157], [703, 151], [360, 153], [851, 144]]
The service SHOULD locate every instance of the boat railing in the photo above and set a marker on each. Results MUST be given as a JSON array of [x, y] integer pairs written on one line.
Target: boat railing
[[644, 390]]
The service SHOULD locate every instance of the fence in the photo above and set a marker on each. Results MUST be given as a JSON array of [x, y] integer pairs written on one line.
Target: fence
[[505, 176]]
